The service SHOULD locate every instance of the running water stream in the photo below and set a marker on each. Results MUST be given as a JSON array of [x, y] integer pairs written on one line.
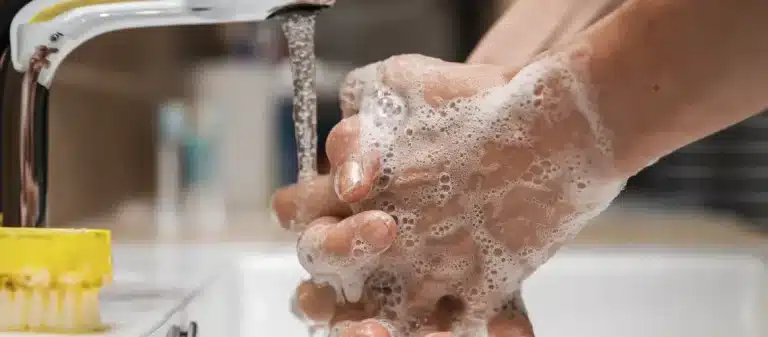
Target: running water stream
[[299, 30]]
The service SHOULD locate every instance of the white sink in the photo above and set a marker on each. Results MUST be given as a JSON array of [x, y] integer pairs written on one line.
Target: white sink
[[643, 293], [579, 293]]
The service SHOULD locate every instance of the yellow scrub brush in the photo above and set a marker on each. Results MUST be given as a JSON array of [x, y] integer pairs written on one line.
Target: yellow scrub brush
[[50, 279]]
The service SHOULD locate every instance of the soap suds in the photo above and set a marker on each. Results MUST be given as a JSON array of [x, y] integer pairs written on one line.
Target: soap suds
[[484, 188]]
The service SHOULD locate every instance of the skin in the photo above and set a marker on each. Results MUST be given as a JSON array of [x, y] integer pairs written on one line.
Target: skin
[[344, 144], [502, 163], [661, 84], [534, 26], [672, 72]]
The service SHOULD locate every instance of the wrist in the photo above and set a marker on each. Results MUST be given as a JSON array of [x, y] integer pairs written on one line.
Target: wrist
[[661, 86], [564, 118], [614, 78]]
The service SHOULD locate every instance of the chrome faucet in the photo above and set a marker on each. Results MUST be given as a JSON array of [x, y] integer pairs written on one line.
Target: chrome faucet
[[43, 32]]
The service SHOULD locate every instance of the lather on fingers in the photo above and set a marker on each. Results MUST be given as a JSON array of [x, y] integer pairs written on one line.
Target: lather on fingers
[[355, 171], [351, 93], [337, 237], [516, 326], [367, 328], [344, 252], [317, 304], [330, 245]]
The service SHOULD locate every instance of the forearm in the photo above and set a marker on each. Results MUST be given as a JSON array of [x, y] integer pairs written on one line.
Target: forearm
[[669, 72], [521, 32], [528, 27]]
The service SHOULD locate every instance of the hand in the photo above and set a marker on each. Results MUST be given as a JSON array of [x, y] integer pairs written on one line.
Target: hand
[[487, 173], [347, 246], [319, 305], [447, 145], [316, 303]]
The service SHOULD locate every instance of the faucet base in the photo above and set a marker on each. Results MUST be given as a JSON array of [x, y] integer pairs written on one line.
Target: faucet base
[[10, 155]]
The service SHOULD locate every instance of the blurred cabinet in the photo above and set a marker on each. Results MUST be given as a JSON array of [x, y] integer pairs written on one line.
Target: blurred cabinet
[[101, 120], [365, 31]]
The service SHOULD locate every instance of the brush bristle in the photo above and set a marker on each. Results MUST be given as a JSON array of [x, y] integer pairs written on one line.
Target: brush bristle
[[50, 310], [50, 279]]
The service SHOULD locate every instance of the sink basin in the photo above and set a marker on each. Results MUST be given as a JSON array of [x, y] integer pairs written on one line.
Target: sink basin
[[649, 293], [601, 292]]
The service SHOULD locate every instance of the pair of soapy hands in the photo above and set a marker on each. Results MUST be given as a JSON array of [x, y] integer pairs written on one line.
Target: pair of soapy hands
[[456, 181]]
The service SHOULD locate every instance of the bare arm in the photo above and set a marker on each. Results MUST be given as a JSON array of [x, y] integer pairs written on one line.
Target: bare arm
[[669, 72], [529, 27]]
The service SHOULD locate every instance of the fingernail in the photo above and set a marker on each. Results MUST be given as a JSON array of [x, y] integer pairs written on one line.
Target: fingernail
[[273, 216], [272, 213], [379, 233], [349, 177]]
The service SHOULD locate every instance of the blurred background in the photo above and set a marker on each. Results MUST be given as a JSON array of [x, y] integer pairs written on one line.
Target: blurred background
[[191, 126]]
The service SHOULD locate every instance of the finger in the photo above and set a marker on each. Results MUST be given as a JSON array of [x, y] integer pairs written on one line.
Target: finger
[[350, 95], [350, 312], [344, 254], [512, 321], [500, 327], [367, 328], [343, 141], [374, 229], [316, 303], [514, 326], [354, 172], [311, 200], [440, 81]]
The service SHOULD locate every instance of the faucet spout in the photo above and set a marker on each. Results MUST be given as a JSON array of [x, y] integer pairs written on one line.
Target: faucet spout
[[65, 25], [301, 5]]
